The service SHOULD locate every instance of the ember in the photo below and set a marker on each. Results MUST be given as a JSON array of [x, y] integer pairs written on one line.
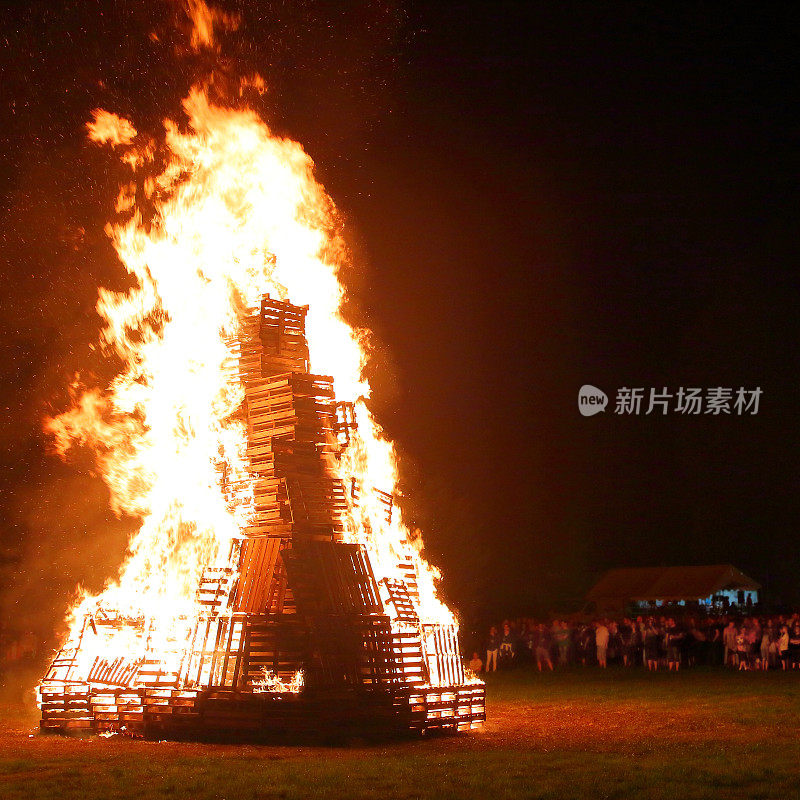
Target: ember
[[272, 586]]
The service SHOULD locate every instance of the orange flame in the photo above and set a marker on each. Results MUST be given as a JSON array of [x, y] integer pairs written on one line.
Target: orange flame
[[108, 128], [238, 214], [205, 20]]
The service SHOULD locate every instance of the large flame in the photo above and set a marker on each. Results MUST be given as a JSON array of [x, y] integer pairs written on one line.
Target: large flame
[[234, 213], [237, 214]]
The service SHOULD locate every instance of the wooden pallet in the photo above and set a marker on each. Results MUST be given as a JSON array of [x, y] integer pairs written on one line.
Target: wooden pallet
[[332, 578], [344, 423], [442, 656], [65, 708], [257, 570], [300, 599], [215, 587], [119, 671], [224, 713], [400, 598]]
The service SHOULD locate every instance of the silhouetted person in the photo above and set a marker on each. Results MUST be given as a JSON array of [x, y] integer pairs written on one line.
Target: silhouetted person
[[601, 636], [492, 649]]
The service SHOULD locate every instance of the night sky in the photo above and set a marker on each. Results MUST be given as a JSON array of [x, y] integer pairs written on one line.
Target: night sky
[[537, 195]]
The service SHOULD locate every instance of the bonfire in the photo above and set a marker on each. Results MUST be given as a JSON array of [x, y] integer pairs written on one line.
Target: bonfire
[[272, 584]]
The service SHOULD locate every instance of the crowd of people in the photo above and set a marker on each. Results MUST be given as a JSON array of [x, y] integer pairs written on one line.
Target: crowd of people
[[652, 642]]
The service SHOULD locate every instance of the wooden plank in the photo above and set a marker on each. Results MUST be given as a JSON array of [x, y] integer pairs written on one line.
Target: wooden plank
[[258, 565]]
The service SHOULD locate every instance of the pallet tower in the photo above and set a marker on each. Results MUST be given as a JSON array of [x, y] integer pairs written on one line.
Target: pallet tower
[[300, 600]]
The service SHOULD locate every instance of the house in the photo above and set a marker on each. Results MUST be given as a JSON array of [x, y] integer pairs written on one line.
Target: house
[[714, 587]]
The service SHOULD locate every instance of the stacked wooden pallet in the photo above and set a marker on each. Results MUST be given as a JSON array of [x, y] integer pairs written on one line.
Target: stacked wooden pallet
[[216, 584], [453, 708], [290, 405], [386, 499], [400, 598], [301, 598], [117, 708], [65, 708], [271, 341], [120, 671], [236, 650], [283, 337], [442, 656], [219, 712], [345, 422]]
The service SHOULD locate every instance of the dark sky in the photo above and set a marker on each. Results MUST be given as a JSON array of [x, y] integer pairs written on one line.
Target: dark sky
[[538, 195]]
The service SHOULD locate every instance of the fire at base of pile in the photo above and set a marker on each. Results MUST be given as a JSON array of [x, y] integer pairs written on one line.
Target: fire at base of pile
[[295, 637]]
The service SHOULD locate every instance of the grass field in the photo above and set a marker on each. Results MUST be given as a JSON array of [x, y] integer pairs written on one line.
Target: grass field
[[614, 734]]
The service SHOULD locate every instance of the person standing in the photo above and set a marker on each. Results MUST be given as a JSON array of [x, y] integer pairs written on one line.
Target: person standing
[[774, 656], [783, 647], [766, 641], [492, 649], [614, 642], [753, 634], [729, 641], [651, 646], [561, 634], [522, 651], [507, 645], [527, 643], [543, 646], [742, 647], [601, 636], [794, 646], [639, 630], [696, 644], [673, 640], [627, 635], [716, 649], [586, 645]]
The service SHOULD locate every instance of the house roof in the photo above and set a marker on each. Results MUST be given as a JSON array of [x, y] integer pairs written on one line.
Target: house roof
[[670, 583]]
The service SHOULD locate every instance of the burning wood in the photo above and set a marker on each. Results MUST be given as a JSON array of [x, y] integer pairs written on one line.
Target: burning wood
[[265, 552], [295, 612]]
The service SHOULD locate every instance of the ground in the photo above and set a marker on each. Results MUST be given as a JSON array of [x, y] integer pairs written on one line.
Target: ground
[[574, 734]]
